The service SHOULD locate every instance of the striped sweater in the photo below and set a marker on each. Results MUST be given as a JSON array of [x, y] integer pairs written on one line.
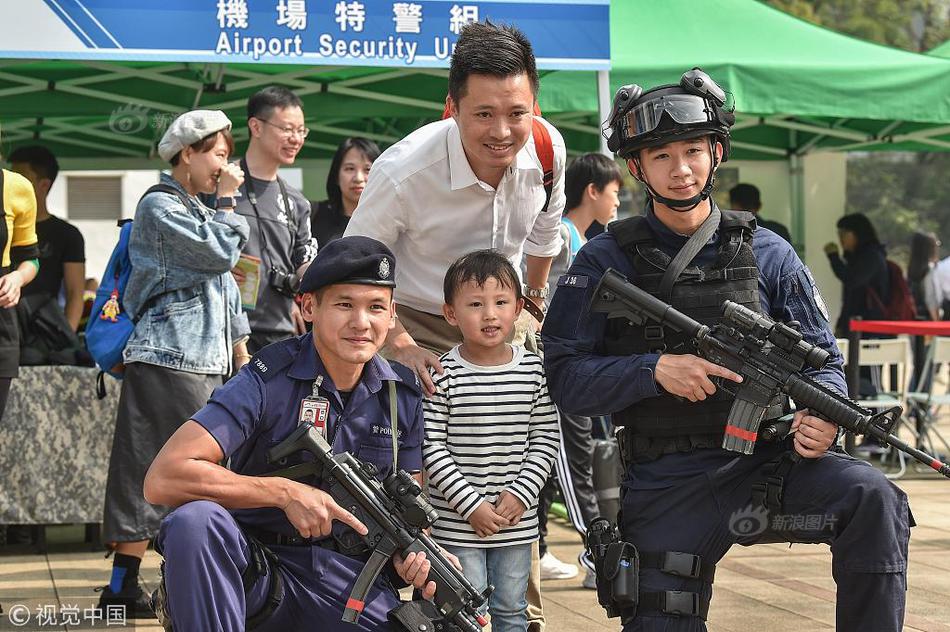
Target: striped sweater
[[488, 429]]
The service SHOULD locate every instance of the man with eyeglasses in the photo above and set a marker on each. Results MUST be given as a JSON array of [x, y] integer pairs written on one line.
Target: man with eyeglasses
[[685, 499], [280, 246]]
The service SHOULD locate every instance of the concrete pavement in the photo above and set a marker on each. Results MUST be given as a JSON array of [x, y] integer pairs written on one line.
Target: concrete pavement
[[767, 587]]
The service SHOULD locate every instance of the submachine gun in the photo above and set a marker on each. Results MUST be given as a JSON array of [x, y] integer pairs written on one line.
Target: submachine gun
[[769, 356], [395, 513]]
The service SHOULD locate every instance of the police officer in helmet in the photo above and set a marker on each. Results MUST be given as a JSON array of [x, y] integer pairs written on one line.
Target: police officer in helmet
[[686, 500], [245, 551]]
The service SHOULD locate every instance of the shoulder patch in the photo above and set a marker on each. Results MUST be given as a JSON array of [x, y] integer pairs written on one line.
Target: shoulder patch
[[573, 280], [269, 361]]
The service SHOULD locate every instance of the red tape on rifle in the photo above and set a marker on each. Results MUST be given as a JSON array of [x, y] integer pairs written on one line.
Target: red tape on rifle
[[748, 435]]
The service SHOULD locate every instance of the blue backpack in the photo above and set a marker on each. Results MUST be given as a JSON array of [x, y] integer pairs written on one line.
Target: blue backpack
[[110, 327]]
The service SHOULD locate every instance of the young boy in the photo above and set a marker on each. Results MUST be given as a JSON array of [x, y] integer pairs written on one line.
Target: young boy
[[491, 436], [591, 190]]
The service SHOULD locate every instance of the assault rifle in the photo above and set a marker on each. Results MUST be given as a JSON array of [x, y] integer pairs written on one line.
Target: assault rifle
[[769, 356], [396, 513]]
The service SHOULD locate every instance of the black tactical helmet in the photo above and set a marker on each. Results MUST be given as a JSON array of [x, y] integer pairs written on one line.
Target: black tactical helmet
[[693, 108]]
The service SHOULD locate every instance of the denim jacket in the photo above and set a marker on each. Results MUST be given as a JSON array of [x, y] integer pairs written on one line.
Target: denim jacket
[[181, 292]]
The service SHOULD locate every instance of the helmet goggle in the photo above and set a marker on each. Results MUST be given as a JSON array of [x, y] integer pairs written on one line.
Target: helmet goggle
[[685, 109], [697, 102]]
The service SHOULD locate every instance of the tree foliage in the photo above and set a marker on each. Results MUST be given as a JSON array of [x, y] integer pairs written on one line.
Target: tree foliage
[[914, 25], [900, 192]]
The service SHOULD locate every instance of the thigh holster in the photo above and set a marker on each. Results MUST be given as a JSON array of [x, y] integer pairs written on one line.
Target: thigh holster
[[618, 564]]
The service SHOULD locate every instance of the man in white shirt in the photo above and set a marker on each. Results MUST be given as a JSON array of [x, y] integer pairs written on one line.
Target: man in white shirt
[[469, 182]]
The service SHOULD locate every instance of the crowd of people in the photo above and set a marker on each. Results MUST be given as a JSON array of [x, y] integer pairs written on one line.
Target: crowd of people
[[389, 313]]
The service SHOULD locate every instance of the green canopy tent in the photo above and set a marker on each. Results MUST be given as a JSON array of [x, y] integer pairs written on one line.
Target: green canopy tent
[[941, 51], [107, 109], [798, 88]]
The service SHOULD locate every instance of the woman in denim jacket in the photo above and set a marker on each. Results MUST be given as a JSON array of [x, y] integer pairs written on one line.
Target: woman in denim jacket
[[189, 325]]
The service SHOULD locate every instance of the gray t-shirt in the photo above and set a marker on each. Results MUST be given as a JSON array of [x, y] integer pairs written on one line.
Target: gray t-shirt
[[288, 246]]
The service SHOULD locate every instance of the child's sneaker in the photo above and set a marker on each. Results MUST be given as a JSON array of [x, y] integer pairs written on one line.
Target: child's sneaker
[[553, 568]]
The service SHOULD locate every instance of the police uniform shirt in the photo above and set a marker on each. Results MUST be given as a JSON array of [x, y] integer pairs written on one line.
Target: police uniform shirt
[[586, 381], [259, 407]]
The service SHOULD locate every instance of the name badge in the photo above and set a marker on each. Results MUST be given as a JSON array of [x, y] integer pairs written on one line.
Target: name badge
[[315, 410]]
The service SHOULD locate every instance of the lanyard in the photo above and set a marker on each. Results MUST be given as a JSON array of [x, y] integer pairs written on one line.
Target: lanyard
[[249, 192]]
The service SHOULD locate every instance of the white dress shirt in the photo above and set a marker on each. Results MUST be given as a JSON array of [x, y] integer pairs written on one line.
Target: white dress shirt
[[424, 201]]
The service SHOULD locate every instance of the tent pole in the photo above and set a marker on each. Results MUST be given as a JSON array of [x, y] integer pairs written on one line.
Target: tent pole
[[797, 193], [604, 103]]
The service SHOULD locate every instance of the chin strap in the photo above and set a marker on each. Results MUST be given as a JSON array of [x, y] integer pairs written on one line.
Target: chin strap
[[684, 206]]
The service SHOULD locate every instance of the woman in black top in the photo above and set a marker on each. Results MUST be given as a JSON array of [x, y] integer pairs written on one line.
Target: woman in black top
[[345, 183], [862, 271]]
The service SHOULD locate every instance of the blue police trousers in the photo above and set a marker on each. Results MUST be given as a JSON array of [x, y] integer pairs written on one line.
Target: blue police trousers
[[205, 554], [835, 500]]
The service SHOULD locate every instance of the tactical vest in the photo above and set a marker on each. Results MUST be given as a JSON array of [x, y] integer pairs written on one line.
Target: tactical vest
[[699, 293]]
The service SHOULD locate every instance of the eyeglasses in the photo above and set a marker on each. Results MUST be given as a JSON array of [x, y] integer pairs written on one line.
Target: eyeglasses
[[288, 132]]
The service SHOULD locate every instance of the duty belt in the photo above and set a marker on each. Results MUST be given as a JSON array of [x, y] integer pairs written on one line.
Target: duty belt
[[272, 538]]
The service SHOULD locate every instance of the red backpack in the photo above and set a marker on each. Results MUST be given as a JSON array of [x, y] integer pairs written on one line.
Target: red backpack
[[900, 305], [544, 147]]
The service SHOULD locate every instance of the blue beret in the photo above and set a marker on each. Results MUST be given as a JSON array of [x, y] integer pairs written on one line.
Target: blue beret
[[355, 259]]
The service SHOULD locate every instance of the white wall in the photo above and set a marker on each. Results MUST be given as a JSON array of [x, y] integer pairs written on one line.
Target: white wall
[[824, 200], [101, 235]]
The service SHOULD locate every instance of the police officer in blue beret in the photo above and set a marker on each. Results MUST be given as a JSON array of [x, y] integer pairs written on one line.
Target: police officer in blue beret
[[249, 552], [685, 500]]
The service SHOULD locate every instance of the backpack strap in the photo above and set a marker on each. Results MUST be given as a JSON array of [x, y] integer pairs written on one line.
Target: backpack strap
[[544, 147], [162, 187]]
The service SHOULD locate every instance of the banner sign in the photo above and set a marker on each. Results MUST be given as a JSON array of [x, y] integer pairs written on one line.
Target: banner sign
[[565, 34]]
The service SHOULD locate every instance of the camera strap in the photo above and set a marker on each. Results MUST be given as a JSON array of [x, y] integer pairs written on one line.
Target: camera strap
[[251, 195]]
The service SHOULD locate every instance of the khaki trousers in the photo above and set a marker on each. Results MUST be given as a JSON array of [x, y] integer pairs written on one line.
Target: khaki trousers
[[432, 332]]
